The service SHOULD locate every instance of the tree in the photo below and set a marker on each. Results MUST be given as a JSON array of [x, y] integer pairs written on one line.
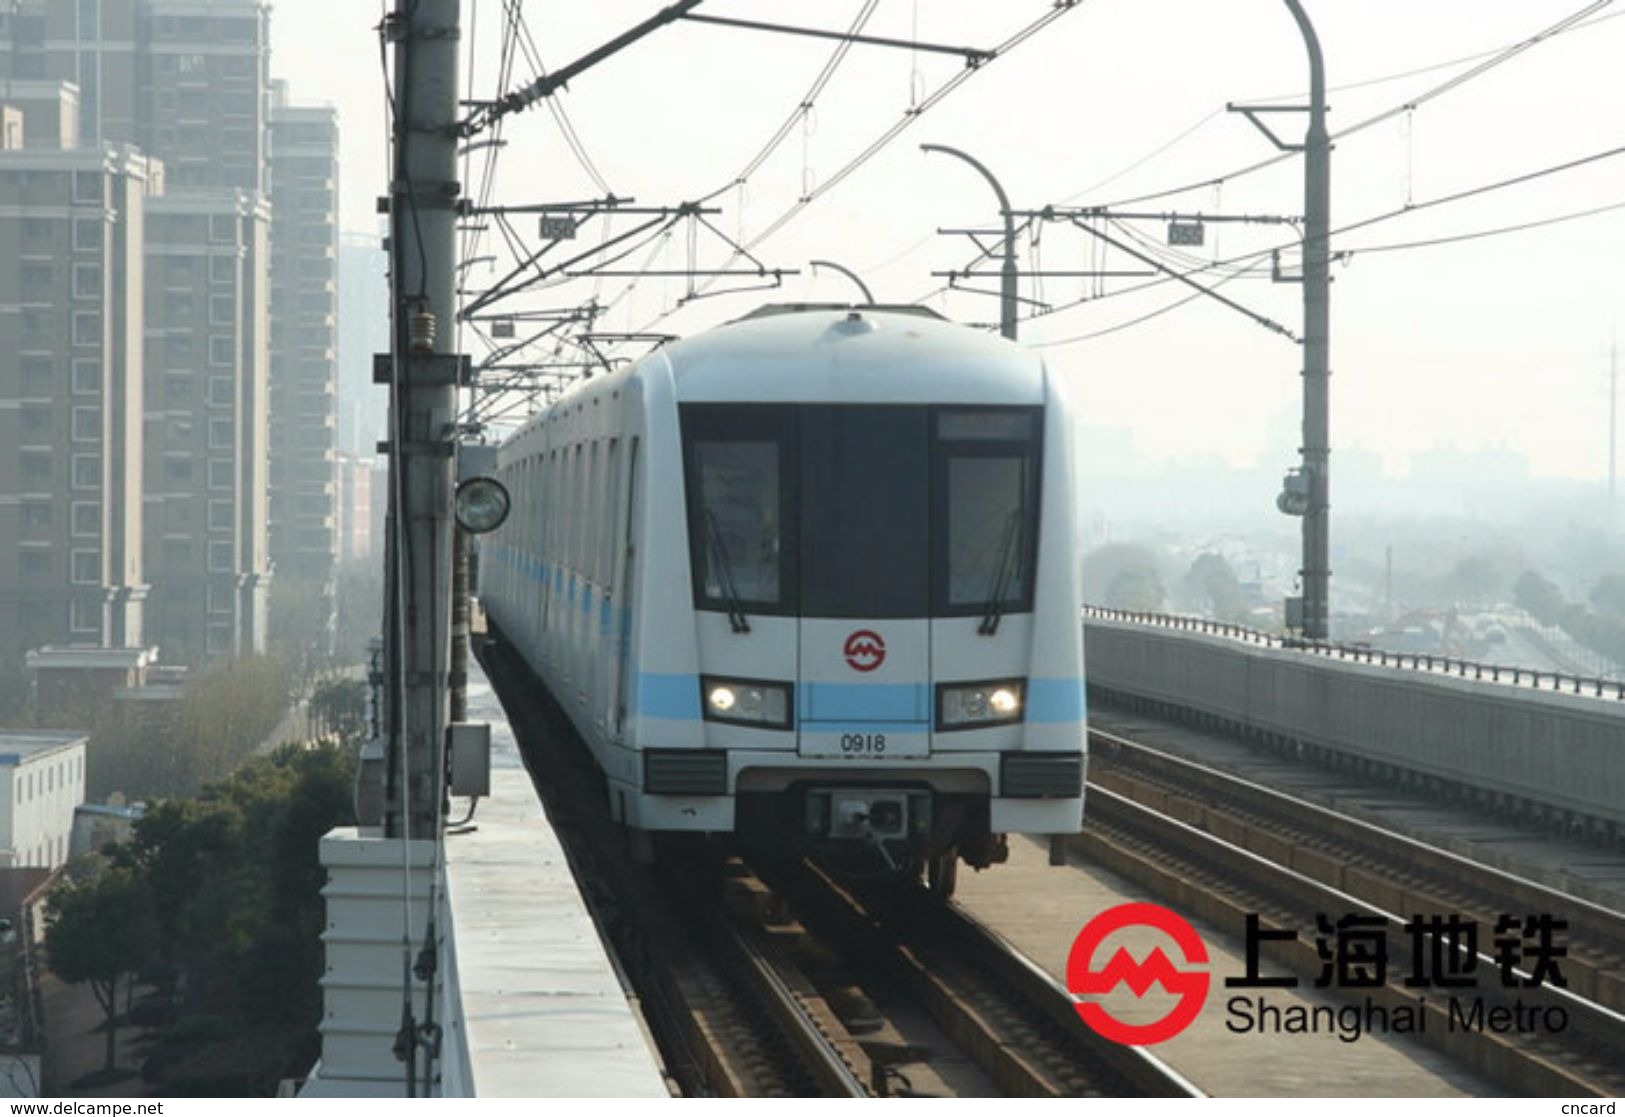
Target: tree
[[175, 748], [100, 931], [1214, 586], [1138, 588], [186, 851], [1608, 595], [1123, 576], [237, 879], [303, 624], [360, 602], [288, 800], [1473, 580], [338, 709], [1538, 597]]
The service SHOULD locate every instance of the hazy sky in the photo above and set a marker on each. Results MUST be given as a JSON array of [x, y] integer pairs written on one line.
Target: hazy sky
[[1501, 341]]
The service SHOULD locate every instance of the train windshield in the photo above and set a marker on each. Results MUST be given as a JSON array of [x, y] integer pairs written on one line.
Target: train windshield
[[739, 467], [987, 474], [862, 510], [864, 514]]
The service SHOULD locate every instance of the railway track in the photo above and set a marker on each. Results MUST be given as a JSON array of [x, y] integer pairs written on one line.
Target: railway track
[[1223, 847], [1391, 870], [1000, 1011]]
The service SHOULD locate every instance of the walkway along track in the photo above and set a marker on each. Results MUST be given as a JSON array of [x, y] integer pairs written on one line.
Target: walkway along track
[[1181, 856]]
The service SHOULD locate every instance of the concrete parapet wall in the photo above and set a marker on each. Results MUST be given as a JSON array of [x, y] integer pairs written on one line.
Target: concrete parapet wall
[[1563, 752]]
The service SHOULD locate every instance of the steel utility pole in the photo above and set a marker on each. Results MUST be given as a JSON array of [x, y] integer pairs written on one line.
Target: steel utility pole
[[1613, 440], [1007, 286], [424, 375], [1316, 450]]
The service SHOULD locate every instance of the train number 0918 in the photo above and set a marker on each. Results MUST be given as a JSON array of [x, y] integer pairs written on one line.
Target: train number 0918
[[863, 744]]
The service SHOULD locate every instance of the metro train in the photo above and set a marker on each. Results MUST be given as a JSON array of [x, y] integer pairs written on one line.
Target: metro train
[[811, 576]]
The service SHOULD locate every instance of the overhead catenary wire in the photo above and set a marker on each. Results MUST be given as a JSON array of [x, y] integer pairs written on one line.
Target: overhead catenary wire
[[1349, 254], [803, 105], [1186, 132], [1585, 17], [1248, 260], [797, 115], [909, 116], [556, 107], [1584, 24], [1486, 188], [1497, 59], [1478, 234]]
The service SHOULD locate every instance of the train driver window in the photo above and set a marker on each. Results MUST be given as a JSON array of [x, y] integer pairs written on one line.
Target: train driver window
[[987, 481], [739, 496], [738, 460]]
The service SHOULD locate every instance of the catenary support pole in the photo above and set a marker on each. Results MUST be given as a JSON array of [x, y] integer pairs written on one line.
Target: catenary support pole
[[1316, 451], [423, 200], [1007, 286]]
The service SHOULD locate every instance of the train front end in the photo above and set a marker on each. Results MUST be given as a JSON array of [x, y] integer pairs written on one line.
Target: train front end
[[882, 564]]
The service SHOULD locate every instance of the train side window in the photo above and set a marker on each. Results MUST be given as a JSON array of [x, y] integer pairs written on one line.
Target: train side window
[[610, 530], [572, 545]]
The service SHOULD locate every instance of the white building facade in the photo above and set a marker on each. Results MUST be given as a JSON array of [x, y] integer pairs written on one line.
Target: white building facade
[[42, 780]]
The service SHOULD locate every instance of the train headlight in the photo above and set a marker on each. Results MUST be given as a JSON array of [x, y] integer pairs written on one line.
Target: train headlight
[[974, 705], [755, 702]]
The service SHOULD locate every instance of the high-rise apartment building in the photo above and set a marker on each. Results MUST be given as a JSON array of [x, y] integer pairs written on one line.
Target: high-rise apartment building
[[356, 539], [204, 72], [363, 331], [184, 80], [240, 470], [207, 424], [71, 382], [304, 349]]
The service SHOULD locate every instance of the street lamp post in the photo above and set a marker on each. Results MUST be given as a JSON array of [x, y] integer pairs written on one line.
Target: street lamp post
[[1007, 301]]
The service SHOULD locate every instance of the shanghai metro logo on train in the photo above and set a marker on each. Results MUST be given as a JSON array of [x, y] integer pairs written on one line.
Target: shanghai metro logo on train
[[1352, 953], [864, 650]]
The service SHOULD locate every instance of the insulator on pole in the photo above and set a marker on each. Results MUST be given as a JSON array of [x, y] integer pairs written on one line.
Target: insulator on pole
[[421, 335]]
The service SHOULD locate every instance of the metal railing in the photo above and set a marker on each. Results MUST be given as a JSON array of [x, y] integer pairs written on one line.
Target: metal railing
[[1363, 653]]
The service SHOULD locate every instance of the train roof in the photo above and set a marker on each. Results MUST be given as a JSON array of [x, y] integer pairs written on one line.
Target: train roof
[[768, 310], [855, 354], [831, 353]]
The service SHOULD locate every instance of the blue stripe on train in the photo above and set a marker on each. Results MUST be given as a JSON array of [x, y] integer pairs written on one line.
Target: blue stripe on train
[[1054, 700], [1049, 701], [668, 696], [864, 702]]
